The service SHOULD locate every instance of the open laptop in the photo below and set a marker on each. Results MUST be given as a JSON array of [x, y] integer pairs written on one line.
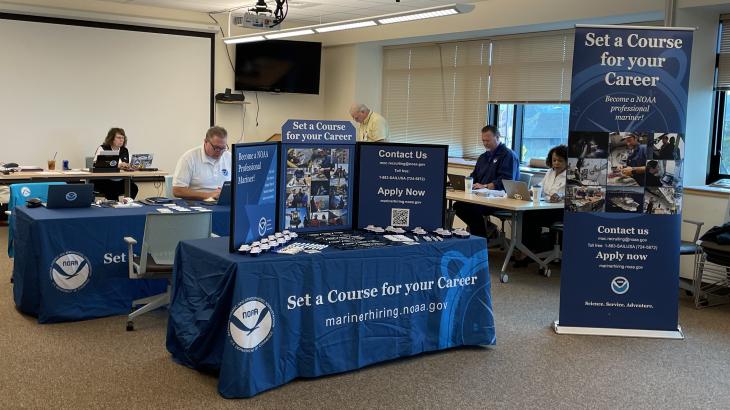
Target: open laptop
[[70, 196], [225, 197], [107, 161], [141, 161], [516, 190], [457, 182]]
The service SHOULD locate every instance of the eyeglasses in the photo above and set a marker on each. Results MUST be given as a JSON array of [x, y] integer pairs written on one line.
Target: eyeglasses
[[217, 148]]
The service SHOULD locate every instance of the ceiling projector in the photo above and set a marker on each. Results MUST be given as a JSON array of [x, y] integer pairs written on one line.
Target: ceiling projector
[[260, 16]]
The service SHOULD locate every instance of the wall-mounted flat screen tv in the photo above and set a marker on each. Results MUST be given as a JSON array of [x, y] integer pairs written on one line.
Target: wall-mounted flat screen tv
[[280, 66]]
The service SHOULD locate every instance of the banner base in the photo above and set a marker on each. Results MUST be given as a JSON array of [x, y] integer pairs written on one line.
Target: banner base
[[602, 331]]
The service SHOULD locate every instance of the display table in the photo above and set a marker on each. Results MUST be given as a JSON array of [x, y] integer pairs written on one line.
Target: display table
[[79, 175], [517, 208], [86, 245], [264, 321]]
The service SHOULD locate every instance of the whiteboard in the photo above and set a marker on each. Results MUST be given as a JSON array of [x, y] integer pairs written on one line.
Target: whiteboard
[[63, 86]]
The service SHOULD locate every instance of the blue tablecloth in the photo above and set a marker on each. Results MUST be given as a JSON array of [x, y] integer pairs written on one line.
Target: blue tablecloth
[[263, 321], [87, 246]]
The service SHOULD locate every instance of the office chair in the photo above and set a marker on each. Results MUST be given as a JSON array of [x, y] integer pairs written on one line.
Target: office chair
[[505, 216], [19, 193], [162, 233]]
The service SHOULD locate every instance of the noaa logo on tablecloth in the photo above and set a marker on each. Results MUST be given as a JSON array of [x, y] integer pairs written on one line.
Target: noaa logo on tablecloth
[[620, 285], [70, 271], [251, 324], [112, 163], [25, 191], [71, 196], [262, 226]]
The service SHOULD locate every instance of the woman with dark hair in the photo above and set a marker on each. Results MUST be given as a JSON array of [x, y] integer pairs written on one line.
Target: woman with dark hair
[[553, 190], [116, 140]]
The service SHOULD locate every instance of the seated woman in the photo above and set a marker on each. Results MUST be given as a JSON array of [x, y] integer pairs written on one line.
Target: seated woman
[[553, 190], [116, 140]]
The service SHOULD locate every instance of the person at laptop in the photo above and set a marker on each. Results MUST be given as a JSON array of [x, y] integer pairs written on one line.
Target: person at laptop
[[494, 165], [201, 171], [553, 190], [112, 189]]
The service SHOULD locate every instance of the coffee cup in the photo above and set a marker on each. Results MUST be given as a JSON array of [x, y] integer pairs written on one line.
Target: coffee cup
[[536, 192]]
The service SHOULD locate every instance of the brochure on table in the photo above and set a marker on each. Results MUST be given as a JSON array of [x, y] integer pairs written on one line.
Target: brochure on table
[[253, 192], [401, 185], [626, 143], [317, 174]]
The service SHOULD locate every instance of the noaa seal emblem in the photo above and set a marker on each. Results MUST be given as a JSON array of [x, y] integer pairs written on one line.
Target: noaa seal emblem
[[25, 191], [262, 226], [71, 196], [620, 285], [251, 324], [224, 172], [113, 163], [70, 271]]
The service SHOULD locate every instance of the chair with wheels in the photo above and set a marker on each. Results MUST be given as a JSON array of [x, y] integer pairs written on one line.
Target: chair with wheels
[[19, 193], [162, 233], [556, 253], [505, 216]]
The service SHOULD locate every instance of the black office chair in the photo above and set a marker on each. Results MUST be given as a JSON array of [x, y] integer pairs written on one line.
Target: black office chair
[[505, 216]]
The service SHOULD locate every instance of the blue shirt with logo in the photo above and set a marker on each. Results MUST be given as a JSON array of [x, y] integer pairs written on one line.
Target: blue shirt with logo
[[637, 157], [494, 166]]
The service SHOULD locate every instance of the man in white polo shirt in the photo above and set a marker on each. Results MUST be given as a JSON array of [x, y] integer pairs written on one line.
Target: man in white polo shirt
[[201, 171]]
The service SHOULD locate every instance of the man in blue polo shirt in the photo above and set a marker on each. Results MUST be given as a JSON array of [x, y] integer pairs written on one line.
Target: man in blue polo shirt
[[496, 164]]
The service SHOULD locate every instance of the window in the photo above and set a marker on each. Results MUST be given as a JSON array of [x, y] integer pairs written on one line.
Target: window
[[720, 154], [506, 122], [437, 94], [532, 129], [444, 93], [543, 127]]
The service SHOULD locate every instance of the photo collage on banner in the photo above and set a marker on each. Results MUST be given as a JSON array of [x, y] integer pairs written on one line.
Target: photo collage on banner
[[625, 172], [317, 173], [317, 187]]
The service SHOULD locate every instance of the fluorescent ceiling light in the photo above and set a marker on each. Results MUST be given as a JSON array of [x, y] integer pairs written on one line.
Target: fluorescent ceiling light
[[345, 26], [412, 15], [243, 39], [288, 34], [418, 16]]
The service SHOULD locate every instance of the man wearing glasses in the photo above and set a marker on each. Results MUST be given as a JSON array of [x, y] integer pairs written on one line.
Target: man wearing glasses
[[201, 171]]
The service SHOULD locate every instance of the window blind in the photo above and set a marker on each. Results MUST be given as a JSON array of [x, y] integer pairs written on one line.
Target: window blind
[[722, 81], [532, 68], [437, 94]]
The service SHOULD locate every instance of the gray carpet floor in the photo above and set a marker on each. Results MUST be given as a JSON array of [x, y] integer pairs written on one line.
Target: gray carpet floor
[[97, 364]]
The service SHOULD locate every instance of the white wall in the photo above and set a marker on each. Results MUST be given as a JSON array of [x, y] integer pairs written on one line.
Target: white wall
[[341, 67], [354, 74]]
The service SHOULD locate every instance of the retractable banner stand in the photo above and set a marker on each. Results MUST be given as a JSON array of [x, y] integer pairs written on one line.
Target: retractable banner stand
[[318, 159], [253, 192], [401, 185], [628, 111]]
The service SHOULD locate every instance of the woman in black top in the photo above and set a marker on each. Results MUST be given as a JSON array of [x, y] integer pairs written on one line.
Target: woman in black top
[[116, 140]]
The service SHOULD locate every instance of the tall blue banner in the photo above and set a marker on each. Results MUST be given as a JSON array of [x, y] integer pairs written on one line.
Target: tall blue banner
[[402, 185], [318, 160], [623, 203], [253, 192]]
